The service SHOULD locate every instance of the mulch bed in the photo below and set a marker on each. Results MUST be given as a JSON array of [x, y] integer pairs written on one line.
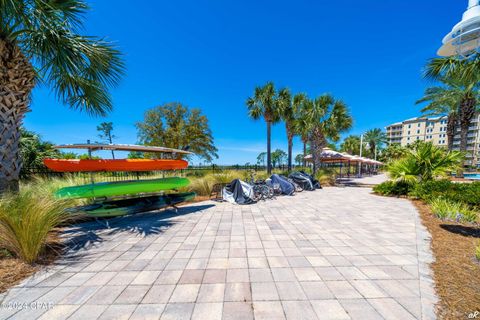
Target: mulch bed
[[456, 271], [12, 271]]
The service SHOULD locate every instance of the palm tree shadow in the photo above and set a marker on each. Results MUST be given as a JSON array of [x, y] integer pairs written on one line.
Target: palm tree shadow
[[84, 236], [462, 230]]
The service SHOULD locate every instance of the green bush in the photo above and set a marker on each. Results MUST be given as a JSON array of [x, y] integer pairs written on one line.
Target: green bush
[[447, 209], [424, 162], [477, 252], [467, 193], [326, 176], [28, 221], [393, 188]]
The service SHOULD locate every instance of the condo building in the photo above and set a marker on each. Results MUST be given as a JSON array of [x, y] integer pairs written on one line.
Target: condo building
[[435, 131]]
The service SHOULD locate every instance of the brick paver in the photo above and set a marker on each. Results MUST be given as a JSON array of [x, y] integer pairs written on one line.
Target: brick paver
[[336, 253]]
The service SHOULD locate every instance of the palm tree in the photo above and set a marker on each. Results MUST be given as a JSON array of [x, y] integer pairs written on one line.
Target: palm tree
[[444, 100], [40, 42], [288, 109], [327, 119], [375, 139], [264, 104], [424, 162], [301, 125], [465, 69], [351, 145], [465, 76]]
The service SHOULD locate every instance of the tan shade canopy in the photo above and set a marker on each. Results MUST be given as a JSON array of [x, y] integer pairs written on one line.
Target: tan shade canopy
[[329, 155]]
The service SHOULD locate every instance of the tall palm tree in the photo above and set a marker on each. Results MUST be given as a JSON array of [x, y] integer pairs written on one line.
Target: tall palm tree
[[327, 118], [444, 100], [465, 69], [264, 104], [351, 145], [301, 126], [40, 42], [465, 75], [288, 109], [375, 139]]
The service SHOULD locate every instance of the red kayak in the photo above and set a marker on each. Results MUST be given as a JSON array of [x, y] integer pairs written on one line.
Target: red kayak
[[91, 165]]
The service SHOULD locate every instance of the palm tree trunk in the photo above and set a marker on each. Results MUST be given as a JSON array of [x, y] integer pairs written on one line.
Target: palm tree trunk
[[269, 147], [451, 124], [111, 142], [17, 79], [318, 142], [466, 114], [290, 147], [304, 162]]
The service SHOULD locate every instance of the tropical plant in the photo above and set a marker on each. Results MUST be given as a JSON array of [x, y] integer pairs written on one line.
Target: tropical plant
[[106, 133], [40, 43], [289, 109], [392, 152], [278, 157], [444, 101], [32, 152], [173, 125], [463, 78], [264, 104], [393, 188], [351, 145], [28, 220], [261, 158], [326, 118], [424, 163], [467, 193], [375, 138], [301, 128], [447, 209], [465, 69]]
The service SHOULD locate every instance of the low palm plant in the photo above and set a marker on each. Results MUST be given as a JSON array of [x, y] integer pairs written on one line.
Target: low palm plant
[[447, 209], [28, 221], [423, 163]]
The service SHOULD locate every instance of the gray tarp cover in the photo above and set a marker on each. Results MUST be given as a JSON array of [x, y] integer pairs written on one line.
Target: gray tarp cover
[[285, 185]]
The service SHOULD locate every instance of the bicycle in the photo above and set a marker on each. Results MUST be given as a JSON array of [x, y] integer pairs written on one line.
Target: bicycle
[[261, 191]]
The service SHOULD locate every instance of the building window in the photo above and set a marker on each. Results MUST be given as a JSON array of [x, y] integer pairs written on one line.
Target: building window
[[418, 131], [409, 126], [408, 132]]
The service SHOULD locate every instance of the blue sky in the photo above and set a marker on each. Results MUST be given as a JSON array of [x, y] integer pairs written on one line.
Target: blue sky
[[211, 55]]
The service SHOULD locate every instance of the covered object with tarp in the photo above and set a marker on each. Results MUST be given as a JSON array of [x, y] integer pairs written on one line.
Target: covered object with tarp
[[286, 186], [302, 180], [238, 192], [315, 182]]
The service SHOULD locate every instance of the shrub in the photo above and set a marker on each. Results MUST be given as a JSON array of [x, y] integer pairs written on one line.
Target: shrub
[[28, 221], [423, 163], [470, 216], [477, 252], [447, 209], [326, 177], [468, 193], [393, 188]]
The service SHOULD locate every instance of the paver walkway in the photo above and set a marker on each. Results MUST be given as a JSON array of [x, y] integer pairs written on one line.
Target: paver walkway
[[337, 253]]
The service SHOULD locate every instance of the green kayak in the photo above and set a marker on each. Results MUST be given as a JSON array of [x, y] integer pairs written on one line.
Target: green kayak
[[123, 207], [121, 188]]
